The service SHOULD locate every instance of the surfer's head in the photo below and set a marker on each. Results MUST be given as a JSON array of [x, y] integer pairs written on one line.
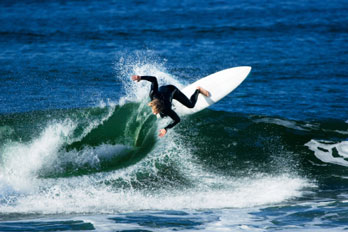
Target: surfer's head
[[156, 106]]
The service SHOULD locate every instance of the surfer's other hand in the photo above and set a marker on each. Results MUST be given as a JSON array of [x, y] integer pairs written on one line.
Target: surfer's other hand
[[136, 78], [162, 132]]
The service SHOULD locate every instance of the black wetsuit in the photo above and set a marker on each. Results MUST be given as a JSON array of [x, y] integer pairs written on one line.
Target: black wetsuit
[[166, 94]]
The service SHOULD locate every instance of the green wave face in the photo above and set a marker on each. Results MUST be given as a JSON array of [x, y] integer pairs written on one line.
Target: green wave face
[[120, 136], [113, 153]]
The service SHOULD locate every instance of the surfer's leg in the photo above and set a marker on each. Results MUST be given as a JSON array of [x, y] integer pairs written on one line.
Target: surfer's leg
[[180, 97]]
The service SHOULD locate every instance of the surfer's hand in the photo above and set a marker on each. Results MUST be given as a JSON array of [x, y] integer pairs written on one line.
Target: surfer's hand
[[136, 78], [162, 132]]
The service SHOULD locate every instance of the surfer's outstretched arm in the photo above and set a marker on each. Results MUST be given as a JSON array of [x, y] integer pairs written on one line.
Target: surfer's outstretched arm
[[176, 119], [153, 80]]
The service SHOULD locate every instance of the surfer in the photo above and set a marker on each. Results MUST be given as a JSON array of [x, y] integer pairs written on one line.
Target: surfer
[[161, 100]]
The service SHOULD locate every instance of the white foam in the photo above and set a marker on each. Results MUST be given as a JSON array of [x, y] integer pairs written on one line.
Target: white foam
[[82, 195], [21, 161], [324, 151], [93, 194]]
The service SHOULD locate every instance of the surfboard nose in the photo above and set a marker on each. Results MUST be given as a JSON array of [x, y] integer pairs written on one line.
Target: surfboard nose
[[238, 71], [247, 69]]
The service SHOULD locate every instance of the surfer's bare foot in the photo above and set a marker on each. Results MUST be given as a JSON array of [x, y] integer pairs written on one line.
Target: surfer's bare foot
[[203, 91]]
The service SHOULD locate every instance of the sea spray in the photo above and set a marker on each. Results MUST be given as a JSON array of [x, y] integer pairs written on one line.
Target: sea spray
[[142, 63], [21, 162]]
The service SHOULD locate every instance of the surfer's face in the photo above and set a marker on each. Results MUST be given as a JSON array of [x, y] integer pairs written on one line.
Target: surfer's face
[[154, 111]]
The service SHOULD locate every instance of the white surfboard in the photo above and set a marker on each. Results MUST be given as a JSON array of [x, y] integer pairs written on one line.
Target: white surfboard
[[218, 84]]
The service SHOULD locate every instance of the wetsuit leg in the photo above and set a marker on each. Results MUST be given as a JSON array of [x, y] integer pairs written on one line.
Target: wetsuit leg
[[190, 103]]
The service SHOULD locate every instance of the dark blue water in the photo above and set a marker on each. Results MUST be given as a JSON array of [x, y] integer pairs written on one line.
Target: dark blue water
[[78, 146]]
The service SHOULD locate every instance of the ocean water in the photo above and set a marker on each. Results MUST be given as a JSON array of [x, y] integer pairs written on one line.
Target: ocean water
[[79, 147]]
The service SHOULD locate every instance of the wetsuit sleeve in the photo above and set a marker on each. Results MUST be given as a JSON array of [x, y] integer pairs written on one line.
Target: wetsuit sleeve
[[154, 85], [176, 119]]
